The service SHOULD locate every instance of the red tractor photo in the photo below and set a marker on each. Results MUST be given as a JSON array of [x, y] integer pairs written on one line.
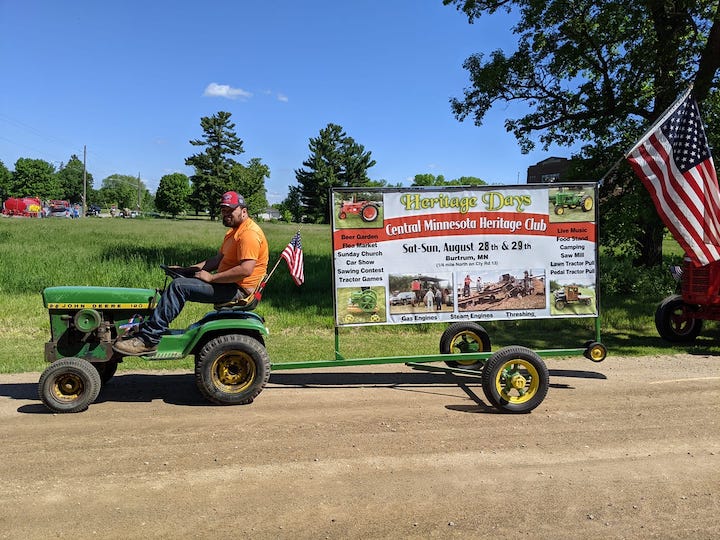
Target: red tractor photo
[[367, 210]]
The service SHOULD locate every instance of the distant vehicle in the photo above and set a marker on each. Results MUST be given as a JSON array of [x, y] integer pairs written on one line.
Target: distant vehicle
[[59, 208], [93, 210], [25, 206], [402, 299]]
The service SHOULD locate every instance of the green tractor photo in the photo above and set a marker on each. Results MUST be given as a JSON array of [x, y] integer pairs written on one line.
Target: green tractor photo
[[565, 199]]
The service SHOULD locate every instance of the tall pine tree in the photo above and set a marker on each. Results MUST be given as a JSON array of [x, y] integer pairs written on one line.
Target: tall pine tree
[[213, 166], [336, 160]]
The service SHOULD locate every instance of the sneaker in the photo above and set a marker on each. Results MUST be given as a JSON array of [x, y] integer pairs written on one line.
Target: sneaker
[[133, 347]]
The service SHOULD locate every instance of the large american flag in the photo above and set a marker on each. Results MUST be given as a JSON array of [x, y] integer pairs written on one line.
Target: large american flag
[[673, 161], [293, 255]]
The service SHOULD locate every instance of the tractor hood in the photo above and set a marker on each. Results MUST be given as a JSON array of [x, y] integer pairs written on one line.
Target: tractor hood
[[73, 297]]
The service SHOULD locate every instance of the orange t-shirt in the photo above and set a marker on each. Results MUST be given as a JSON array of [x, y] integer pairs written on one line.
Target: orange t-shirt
[[245, 242]]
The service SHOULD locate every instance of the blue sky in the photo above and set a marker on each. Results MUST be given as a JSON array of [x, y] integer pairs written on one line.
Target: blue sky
[[130, 81]]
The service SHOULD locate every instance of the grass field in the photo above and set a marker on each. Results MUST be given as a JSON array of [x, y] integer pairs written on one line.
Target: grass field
[[126, 253]]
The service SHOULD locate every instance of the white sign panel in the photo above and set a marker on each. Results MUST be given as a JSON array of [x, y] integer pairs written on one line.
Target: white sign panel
[[412, 255]]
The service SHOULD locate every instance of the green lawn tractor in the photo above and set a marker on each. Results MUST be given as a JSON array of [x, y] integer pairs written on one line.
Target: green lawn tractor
[[565, 199], [232, 365]]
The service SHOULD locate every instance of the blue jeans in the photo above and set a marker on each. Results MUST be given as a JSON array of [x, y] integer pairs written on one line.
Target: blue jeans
[[171, 302]]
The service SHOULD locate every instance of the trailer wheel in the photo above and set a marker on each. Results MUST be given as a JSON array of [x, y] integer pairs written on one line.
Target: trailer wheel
[[369, 212], [465, 337], [232, 369], [674, 321], [595, 351], [106, 370], [69, 385], [515, 379]]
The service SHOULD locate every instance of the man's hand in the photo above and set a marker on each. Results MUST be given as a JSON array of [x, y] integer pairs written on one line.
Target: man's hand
[[205, 276]]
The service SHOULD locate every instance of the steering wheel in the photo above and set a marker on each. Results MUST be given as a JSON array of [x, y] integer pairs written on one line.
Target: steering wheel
[[179, 271]]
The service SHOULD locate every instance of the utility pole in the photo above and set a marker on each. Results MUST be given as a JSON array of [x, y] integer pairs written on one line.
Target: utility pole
[[84, 181], [138, 204]]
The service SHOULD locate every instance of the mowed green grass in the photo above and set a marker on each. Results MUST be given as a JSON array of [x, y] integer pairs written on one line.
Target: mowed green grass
[[35, 254]]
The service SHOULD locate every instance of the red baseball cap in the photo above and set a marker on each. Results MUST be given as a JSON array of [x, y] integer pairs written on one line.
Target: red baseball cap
[[232, 199]]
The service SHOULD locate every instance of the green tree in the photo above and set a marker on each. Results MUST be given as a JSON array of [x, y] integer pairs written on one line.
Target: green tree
[[249, 181], [336, 160], [5, 179], [432, 180], [123, 190], [213, 166], [34, 178], [71, 178], [598, 72], [291, 207], [172, 194]]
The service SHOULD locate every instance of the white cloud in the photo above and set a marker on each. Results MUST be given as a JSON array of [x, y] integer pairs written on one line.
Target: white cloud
[[282, 97], [226, 91]]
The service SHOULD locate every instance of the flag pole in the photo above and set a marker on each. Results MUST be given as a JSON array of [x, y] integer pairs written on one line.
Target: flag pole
[[279, 259]]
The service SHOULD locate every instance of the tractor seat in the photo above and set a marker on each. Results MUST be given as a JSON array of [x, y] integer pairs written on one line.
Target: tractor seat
[[244, 303]]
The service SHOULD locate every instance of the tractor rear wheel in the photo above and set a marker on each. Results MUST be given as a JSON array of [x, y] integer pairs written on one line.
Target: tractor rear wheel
[[232, 369], [369, 212], [674, 321], [465, 337], [515, 379], [69, 385]]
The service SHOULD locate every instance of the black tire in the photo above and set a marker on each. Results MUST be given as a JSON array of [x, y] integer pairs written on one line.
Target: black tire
[[232, 369], [106, 370], [559, 210], [515, 379], [465, 337], [587, 204], [559, 304], [369, 212], [673, 320], [69, 385]]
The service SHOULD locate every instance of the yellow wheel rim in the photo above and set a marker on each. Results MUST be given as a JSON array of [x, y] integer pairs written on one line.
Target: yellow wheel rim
[[517, 381], [466, 342], [68, 387], [234, 372]]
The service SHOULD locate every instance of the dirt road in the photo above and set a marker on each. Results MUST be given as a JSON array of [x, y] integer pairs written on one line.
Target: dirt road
[[629, 448]]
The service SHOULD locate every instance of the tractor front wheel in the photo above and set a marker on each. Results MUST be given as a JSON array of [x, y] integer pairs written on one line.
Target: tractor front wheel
[[674, 320], [69, 385], [465, 337], [515, 379], [232, 369]]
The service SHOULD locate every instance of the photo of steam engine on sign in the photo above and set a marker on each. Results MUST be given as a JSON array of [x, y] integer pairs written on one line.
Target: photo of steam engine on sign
[[506, 290]]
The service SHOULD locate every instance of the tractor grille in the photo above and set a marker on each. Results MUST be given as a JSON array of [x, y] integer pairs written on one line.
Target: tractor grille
[[701, 285]]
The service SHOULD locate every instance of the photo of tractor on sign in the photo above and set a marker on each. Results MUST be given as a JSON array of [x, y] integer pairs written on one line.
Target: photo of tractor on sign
[[566, 198], [362, 206]]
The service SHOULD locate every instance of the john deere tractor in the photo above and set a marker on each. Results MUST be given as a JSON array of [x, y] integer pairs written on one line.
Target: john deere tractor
[[231, 363]]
